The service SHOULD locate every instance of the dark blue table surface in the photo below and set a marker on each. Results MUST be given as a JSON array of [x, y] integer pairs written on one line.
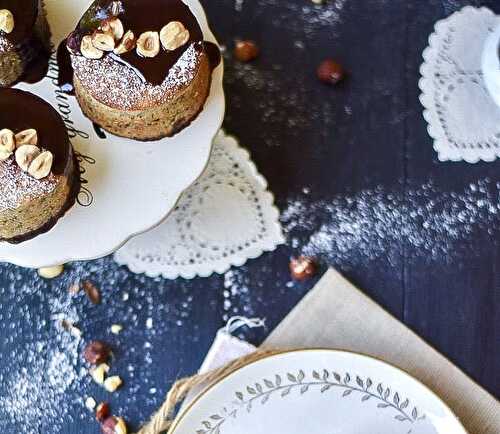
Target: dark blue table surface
[[353, 172]]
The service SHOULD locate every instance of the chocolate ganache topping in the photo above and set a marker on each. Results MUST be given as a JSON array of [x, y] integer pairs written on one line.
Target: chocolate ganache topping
[[21, 110], [139, 16]]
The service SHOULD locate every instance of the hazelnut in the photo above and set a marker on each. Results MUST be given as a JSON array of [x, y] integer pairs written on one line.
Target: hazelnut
[[6, 21], [96, 352], [75, 331], [90, 403], [51, 272], [25, 154], [148, 44], [103, 41], [41, 166], [174, 35], [302, 268], [92, 292], [114, 425], [116, 329], [246, 51], [74, 288], [111, 384], [330, 72], [99, 373], [127, 43], [4, 154], [114, 27], [26, 137], [88, 50], [102, 412], [7, 140]]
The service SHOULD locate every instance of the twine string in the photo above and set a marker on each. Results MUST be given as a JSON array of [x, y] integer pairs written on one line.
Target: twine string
[[162, 420]]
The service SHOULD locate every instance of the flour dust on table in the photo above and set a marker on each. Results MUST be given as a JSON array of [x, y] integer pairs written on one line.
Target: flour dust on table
[[44, 382], [288, 111], [378, 223], [326, 14]]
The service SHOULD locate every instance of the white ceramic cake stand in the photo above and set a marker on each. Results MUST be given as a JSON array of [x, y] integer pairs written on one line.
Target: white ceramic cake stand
[[128, 187]]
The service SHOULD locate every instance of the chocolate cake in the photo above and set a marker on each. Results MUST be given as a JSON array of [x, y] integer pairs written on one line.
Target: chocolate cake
[[24, 41], [141, 67], [39, 177]]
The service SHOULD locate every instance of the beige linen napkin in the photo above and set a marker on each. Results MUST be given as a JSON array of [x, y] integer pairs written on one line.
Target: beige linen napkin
[[335, 314]]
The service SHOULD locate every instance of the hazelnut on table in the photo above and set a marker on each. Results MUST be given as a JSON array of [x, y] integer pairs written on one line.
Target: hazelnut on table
[[330, 72], [246, 51], [97, 352]]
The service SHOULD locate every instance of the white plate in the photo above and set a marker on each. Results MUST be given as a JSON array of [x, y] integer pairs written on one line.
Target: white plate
[[318, 392], [129, 187]]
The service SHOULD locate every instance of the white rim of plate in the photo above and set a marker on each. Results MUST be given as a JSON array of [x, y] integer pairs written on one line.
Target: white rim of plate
[[184, 412], [217, 85]]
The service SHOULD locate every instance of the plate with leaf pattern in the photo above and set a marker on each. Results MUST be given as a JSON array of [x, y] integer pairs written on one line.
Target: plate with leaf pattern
[[317, 392]]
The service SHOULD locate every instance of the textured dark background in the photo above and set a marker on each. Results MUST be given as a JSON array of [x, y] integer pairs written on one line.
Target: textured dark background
[[313, 143]]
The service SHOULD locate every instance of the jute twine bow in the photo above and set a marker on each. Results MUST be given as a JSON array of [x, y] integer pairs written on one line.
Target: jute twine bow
[[164, 417]]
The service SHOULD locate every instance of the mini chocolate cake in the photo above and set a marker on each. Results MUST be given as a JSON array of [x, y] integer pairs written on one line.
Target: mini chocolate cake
[[141, 67], [39, 176], [24, 41]]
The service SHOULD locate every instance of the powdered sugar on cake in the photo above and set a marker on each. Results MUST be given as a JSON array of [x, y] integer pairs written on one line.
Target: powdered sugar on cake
[[119, 86], [5, 45], [17, 186]]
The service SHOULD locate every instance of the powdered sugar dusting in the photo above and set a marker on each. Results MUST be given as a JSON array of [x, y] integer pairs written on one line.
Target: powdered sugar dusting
[[312, 14], [5, 45], [119, 86], [237, 299], [46, 384], [17, 186], [45, 369], [379, 224]]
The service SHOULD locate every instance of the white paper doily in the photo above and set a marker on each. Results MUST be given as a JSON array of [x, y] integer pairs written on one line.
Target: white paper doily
[[225, 218], [464, 121]]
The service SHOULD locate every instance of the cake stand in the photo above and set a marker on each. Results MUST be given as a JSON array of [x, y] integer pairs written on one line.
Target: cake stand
[[128, 187]]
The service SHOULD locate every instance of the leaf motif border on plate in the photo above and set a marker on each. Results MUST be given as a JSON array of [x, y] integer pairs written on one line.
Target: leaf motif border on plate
[[323, 381]]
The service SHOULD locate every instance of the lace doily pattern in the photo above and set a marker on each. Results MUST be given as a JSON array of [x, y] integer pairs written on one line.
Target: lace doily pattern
[[224, 219], [463, 119]]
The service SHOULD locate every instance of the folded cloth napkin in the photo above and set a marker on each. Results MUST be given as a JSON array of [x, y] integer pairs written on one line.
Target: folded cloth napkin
[[335, 314]]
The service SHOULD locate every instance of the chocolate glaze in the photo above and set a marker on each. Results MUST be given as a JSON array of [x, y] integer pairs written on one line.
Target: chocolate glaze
[[213, 53], [99, 131], [142, 16], [25, 15], [21, 110], [65, 74], [38, 67]]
